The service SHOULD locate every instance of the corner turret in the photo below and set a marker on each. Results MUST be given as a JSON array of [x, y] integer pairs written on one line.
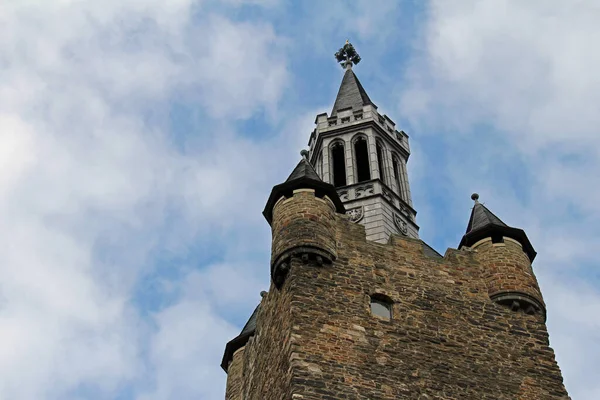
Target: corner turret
[[505, 255], [233, 358], [301, 212], [240, 340]]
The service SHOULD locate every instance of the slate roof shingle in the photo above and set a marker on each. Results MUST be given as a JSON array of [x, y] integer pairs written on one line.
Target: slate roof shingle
[[481, 217], [304, 169], [351, 94]]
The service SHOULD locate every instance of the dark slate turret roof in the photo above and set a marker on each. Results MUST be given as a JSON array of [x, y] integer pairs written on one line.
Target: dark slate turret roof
[[240, 340], [483, 223], [351, 94], [303, 176], [481, 217], [304, 169]]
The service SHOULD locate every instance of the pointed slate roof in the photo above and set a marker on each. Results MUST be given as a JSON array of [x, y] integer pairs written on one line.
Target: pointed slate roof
[[303, 176], [481, 217], [351, 94], [304, 169], [240, 340], [483, 223]]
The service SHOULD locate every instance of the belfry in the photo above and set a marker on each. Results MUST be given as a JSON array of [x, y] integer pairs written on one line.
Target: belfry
[[359, 307]]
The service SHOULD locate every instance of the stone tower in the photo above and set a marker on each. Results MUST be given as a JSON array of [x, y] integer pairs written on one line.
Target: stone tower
[[358, 310]]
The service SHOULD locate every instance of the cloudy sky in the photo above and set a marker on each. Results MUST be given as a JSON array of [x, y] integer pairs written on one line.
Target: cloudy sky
[[139, 140]]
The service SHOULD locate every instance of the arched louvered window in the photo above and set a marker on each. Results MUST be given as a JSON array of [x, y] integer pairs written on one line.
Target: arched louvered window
[[398, 176], [380, 161], [321, 165], [339, 164], [361, 154]]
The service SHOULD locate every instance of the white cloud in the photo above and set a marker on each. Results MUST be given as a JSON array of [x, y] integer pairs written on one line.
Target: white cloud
[[18, 150], [188, 348], [236, 77], [86, 180], [498, 56]]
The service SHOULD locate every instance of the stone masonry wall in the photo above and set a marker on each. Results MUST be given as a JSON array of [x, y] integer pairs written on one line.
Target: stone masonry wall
[[235, 376], [379, 219], [505, 268], [267, 373], [317, 339], [303, 220]]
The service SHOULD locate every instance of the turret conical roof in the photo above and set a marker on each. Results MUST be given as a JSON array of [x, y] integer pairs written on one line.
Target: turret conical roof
[[304, 170], [483, 223], [351, 94], [482, 217], [303, 176], [240, 340]]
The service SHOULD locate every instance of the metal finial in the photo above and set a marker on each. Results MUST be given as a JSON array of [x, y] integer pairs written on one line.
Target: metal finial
[[304, 154], [347, 55], [475, 197]]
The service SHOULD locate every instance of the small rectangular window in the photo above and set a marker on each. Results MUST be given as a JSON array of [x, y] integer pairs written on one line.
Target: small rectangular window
[[497, 239], [381, 308]]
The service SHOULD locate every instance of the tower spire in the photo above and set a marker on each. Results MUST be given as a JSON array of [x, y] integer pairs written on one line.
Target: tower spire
[[362, 154], [351, 93]]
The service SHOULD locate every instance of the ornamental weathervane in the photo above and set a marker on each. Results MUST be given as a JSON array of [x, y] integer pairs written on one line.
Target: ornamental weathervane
[[347, 55]]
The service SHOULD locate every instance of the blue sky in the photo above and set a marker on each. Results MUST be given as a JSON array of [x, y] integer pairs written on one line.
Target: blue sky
[[139, 141]]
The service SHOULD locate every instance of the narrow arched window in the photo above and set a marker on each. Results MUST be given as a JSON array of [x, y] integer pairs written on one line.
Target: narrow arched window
[[381, 306], [397, 173], [317, 164], [380, 162], [361, 152], [321, 165], [339, 164]]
